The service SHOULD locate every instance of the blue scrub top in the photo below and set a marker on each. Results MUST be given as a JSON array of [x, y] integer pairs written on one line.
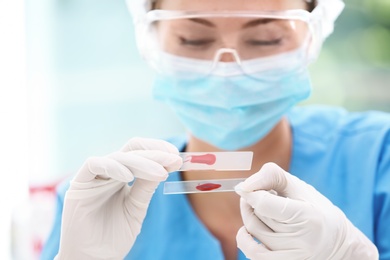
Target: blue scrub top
[[345, 156]]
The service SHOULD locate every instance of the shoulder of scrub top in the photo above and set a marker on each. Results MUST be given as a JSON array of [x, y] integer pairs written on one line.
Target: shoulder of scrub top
[[322, 121]]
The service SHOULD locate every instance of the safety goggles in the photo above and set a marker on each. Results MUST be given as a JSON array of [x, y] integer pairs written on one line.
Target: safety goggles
[[250, 41]]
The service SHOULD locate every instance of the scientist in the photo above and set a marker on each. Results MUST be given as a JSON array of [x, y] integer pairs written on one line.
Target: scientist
[[233, 70]]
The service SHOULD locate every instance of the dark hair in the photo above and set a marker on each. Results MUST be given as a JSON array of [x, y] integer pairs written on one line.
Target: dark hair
[[311, 5]]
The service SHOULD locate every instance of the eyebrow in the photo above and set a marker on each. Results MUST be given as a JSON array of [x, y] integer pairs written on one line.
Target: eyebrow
[[259, 21], [202, 21]]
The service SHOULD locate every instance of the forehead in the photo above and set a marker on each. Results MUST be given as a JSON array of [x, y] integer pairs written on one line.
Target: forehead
[[230, 5]]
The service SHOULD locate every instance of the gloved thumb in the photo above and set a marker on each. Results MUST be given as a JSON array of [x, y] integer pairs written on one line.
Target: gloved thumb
[[270, 177], [276, 180]]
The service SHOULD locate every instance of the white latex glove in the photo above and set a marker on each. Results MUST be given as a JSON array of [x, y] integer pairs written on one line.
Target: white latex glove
[[292, 220], [102, 213]]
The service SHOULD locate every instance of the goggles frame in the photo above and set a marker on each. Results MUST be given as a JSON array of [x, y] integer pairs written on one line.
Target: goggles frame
[[312, 19]]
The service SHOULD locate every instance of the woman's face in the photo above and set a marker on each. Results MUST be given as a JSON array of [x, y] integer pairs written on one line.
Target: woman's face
[[202, 37]]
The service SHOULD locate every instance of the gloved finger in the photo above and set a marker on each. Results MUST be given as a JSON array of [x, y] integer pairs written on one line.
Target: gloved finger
[[265, 233], [104, 168], [171, 162], [142, 191], [256, 251], [270, 177], [138, 143], [253, 224], [248, 245], [272, 206], [256, 227], [276, 248], [139, 198], [145, 168]]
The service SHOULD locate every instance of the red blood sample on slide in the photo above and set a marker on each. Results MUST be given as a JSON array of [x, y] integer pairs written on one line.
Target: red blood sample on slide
[[196, 186], [218, 161], [208, 159], [208, 186]]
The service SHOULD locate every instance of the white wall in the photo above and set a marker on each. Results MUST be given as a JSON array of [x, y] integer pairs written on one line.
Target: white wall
[[14, 150]]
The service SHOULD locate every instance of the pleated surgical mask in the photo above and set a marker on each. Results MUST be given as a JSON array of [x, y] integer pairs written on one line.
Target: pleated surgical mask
[[228, 108]]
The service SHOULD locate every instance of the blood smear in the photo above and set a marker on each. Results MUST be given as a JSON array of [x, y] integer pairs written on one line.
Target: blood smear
[[208, 159], [208, 186]]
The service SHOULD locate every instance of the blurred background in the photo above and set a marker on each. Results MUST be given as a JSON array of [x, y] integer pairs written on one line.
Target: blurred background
[[72, 85]]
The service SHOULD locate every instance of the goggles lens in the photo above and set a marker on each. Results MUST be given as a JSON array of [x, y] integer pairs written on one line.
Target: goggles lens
[[224, 38]]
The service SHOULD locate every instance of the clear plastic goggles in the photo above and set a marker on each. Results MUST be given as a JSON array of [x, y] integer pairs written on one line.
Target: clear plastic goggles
[[228, 42]]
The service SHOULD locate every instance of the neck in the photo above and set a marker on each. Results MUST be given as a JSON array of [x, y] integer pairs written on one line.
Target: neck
[[274, 147]]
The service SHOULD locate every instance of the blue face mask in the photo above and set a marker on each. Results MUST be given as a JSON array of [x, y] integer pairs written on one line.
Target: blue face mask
[[236, 110]]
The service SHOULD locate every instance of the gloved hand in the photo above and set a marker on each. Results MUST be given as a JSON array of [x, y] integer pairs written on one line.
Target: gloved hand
[[292, 220], [102, 213]]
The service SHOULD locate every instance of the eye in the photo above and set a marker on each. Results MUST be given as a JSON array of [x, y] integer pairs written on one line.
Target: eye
[[273, 42], [196, 42]]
